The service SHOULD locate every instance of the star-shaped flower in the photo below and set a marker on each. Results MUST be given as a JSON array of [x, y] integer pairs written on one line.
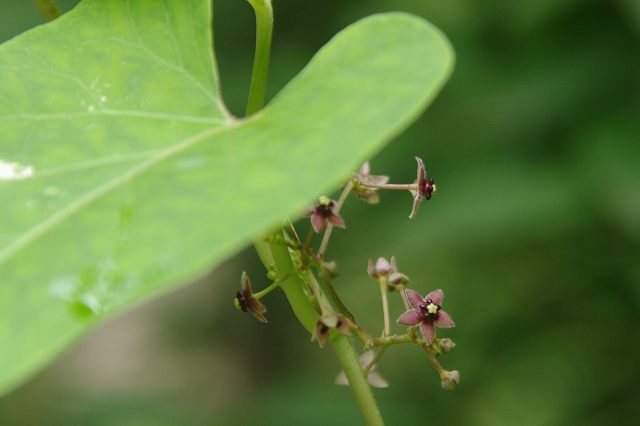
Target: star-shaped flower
[[425, 188], [323, 212], [364, 176], [244, 300], [426, 312]]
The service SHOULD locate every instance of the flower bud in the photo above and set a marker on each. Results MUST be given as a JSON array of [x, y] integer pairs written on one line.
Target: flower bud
[[447, 345], [331, 267], [382, 267], [398, 278], [449, 379]]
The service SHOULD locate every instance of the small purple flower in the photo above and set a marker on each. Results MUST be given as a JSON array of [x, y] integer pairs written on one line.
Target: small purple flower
[[247, 303], [426, 312], [325, 212], [425, 188], [364, 176]]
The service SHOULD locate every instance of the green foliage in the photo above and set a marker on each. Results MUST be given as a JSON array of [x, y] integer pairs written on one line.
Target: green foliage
[[124, 175]]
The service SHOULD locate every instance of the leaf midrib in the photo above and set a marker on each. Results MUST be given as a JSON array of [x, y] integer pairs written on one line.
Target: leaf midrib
[[44, 226]]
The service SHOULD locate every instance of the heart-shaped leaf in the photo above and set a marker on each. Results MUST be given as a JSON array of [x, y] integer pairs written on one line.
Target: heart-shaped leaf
[[122, 175]]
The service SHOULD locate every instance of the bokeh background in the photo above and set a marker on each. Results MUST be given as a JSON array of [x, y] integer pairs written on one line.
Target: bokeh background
[[534, 237]]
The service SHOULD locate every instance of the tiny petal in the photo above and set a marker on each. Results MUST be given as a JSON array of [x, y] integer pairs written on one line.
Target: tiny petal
[[317, 222], [378, 180], [411, 317], [245, 282], [383, 267], [421, 172], [336, 220], [447, 345], [365, 170], [398, 278], [342, 326], [444, 320], [341, 379], [371, 269], [321, 334], [436, 296], [376, 380], [415, 300], [394, 264], [372, 198], [428, 331], [416, 204]]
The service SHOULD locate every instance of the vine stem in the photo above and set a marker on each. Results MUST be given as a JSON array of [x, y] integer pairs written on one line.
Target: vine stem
[[279, 256], [341, 344], [260, 72], [48, 9]]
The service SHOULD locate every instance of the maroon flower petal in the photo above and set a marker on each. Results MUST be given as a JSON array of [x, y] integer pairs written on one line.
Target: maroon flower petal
[[444, 320], [436, 297], [421, 172], [428, 331], [415, 300], [411, 317], [416, 205], [317, 222], [336, 220]]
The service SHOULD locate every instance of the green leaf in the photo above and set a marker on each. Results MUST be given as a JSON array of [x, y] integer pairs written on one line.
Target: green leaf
[[122, 175]]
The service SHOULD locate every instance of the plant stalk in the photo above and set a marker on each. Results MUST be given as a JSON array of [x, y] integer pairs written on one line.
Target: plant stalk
[[350, 363], [259, 74], [278, 255]]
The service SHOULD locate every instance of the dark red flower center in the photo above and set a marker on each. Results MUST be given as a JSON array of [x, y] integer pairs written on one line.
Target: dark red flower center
[[429, 310], [324, 210], [427, 188]]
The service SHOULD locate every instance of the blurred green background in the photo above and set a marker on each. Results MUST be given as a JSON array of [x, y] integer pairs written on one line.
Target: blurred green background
[[534, 237]]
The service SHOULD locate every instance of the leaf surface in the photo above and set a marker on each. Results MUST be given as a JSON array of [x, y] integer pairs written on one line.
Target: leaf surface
[[122, 174]]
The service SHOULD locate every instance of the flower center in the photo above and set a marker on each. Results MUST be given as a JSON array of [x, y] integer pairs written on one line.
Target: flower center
[[324, 200], [432, 309], [429, 310]]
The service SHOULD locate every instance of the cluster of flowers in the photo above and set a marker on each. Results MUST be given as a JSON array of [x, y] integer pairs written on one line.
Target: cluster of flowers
[[423, 313]]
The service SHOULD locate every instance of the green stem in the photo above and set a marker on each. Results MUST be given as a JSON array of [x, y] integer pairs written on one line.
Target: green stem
[[335, 299], [293, 287], [264, 29], [48, 8], [278, 254], [303, 309], [259, 295], [348, 358]]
